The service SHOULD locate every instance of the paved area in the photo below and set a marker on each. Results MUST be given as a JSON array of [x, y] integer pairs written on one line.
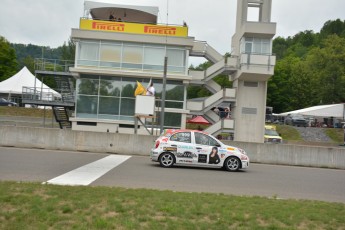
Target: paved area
[[313, 134], [139, 172]]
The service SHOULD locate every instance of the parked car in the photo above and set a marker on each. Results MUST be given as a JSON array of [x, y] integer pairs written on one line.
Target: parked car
[[196, 148], [4, 102], [296, 120], [271, 135]]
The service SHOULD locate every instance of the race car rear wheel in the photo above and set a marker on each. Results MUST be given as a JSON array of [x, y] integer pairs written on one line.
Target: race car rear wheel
[[166, 160], [232, 164]]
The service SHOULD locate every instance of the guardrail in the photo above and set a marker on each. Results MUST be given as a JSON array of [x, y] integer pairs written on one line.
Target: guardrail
[[40, 95], [55, 65]]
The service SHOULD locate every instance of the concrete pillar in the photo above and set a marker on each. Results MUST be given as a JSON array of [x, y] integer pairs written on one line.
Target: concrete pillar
[[251, 78]]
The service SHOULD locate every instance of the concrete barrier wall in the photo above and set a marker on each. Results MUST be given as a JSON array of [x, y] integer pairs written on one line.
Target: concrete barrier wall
[[301, 155], [45, 138], [129, 144]]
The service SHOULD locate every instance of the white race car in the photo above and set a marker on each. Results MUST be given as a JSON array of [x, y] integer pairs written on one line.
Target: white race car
[[196, 148]]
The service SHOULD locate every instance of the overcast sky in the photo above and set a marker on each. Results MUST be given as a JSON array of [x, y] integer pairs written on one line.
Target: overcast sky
[[49, 22]]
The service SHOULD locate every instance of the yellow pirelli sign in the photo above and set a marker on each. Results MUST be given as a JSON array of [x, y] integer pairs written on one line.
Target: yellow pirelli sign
[[134, 28]]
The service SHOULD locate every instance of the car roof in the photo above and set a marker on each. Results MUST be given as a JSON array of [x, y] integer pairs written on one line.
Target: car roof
[[173, 131]]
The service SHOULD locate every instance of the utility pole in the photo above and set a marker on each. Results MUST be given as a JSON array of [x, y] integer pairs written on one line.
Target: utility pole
[[163, 93]]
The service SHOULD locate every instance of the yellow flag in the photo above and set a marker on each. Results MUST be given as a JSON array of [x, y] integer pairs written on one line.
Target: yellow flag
[[140, 90]]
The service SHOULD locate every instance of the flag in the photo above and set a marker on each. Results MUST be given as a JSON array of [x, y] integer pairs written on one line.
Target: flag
[[140, 90]]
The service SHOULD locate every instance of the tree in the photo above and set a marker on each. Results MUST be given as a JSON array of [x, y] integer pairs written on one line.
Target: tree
[[333, 27], [8, 62], [328, 68], [68, 51], [28, 61]]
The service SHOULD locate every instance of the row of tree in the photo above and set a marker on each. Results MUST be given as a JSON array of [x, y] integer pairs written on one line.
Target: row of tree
[[14, 56], [310, 68]]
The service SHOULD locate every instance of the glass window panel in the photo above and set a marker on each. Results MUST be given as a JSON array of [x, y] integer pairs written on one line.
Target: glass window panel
[[132, 66], [174, 104], [109, 64], [87, 63], [172, 120], [87, 86], [153, 67], [176, 57], [128, 87], [154, 56], [266, 48], [87, 105], [176, 69], [110, 87], [175, 92], [202, 139], [109, 105], [257, 48], [88, 51], [248, 47], [127, 106], [110, 53], [133, 54], [181, 137]]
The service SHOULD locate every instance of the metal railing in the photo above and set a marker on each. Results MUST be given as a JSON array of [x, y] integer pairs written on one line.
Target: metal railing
[[46, 95], [54, 65]]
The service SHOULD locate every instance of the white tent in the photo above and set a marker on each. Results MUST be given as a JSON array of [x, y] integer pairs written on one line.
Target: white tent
[[334, 110], [24, 78]]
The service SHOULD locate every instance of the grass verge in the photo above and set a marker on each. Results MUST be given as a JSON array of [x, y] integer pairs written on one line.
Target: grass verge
[[36, 206], [24, 112], [289, 133], [336, 135]]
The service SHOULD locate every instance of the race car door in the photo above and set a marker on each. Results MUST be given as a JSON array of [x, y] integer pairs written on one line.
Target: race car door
[[185, 151], [207, 150]]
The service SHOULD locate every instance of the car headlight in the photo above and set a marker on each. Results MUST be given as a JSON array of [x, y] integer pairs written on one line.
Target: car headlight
[[242, 151]]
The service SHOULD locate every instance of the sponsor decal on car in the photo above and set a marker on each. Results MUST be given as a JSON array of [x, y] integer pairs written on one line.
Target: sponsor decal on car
[[186, 155], [185, 147], [185, 161], [170, 149], [202, 158], [222, 150]]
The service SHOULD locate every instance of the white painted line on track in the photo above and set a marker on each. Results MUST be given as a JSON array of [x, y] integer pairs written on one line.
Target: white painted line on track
[[86, 174]]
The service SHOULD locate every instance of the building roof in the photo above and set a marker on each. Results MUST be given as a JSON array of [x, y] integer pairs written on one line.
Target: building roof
[[333, 110], [128, 13]]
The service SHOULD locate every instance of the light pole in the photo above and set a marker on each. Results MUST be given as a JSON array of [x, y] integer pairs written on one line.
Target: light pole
[[163, 93]]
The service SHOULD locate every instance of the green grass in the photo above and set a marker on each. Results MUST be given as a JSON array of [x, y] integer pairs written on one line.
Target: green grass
[[289, 133], [24, 112], [337, 135], [36, 206]]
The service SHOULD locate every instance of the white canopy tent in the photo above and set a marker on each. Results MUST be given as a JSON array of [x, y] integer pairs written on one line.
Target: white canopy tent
[[24, 78], [333, 110]]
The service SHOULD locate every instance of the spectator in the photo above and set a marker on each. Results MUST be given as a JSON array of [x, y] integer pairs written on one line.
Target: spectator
[[150, 91]]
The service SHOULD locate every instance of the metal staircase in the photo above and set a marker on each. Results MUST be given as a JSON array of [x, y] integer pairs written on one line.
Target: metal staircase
[[61, 99], [62, 115], [221, 65], [66, 86]]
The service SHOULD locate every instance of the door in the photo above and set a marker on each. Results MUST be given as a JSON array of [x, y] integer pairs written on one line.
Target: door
[[207, 150], [185, 151]]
